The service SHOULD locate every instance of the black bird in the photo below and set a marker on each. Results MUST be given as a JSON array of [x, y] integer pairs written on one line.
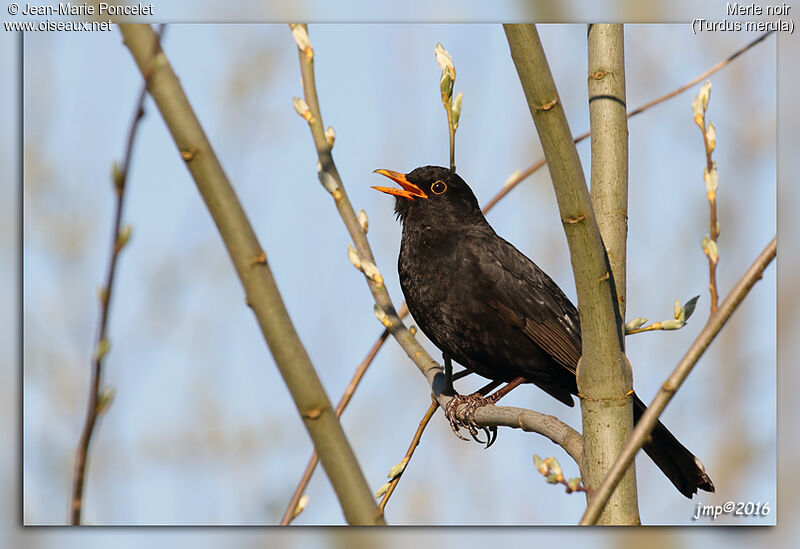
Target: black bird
[[491, 309]]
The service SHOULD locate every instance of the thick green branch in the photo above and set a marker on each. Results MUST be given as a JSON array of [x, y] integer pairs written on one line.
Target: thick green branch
[[600, 324], [606, 424], [648, 420], [250, 261], [609, 133]]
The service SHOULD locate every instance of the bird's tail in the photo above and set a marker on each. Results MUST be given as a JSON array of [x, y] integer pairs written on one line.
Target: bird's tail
[[680, 466]]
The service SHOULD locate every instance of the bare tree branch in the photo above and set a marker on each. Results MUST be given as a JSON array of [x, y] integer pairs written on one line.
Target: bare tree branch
[[606, 425], [392, 484], [251, 265], [98, 401], [603, 374], [290, 513], [648, 420]]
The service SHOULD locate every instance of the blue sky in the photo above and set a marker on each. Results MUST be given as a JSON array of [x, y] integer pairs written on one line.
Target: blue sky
[[202, 430]]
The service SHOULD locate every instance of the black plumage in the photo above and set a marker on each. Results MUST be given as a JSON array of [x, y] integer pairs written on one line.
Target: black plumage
[[486, 305]]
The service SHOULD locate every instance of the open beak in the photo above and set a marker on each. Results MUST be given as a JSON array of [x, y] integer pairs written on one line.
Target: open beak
[[409, 190]]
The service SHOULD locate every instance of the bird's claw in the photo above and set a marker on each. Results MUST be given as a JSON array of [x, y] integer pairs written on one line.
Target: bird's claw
[[462, 416]]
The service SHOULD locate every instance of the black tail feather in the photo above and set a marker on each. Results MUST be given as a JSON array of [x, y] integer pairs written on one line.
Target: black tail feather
[[680, 466]]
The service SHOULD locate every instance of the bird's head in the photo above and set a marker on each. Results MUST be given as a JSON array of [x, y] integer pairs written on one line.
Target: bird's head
[[432, 195]]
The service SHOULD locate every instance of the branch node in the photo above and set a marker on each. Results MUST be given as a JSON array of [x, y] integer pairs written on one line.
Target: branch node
[[188, 154], [599, 75], [260, 259], [574, 219], [313, 413], [605, 399], [547, 106]]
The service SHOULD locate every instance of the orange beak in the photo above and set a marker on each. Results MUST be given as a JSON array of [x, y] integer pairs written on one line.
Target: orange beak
[[409, 190]]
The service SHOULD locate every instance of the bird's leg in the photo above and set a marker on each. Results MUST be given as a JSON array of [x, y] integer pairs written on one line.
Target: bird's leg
[[448, 375], [500, 393], [463, 417]]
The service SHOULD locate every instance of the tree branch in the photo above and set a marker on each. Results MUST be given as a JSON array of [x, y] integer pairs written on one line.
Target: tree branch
[[392, 484], [603, 374], [291, 509], [648, 420], [606, 425], [98, 403], [256, 277]]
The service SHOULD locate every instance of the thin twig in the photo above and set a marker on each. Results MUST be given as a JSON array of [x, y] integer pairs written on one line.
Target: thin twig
[[452, 133], [710, 175], [648, 420], [290, 512], [513, 182], [413, 446], [550, 469], [97, 403]]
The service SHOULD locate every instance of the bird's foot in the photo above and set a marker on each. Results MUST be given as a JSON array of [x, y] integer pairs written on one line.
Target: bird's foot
[[460, 411]]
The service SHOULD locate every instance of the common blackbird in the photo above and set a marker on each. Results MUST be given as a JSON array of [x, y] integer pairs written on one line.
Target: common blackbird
[[486, 305]]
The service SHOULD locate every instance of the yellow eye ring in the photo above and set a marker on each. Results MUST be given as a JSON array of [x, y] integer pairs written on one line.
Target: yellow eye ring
[[438, 187]]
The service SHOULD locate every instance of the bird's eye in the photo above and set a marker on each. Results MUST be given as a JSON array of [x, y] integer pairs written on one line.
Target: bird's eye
[[438, 187]]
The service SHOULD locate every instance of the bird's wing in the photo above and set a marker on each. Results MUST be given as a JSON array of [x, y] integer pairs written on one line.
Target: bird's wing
[[526, 298]]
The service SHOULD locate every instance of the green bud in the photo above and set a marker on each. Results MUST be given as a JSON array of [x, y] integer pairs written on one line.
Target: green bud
[[711, 136], [444, 60], [330, 136], [574, 484], [301, 37], [672, 324], [711, 250], [301, 107], [102, 349], [371, 271], [381, 315], [105, 399], [705, 94], [446, 85], [116, 176], [555, 467], [456, 110], [301, 504], [513, 178], [352, 255], [635, 324], [711, 180], [697, 111], [398, 469], [327, 180], [363, 220], [540, 465], [123, 236], [382, 490]]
